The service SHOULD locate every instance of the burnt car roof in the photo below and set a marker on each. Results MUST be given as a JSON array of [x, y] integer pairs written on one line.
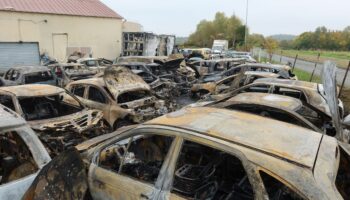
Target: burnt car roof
[[266, 65], [272, 100], [288, 83], [66, 64], [135, 82], [32, 90], [30, 69], [9, 118], [91, 81], [262, 74], [142, 59], [282, 140]]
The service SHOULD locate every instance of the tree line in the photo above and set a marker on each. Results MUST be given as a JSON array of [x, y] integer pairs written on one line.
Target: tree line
[[321, 39], [228, 28], [232, 29]]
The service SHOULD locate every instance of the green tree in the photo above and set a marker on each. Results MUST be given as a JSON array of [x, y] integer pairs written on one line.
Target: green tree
[[222, 27], [270, 45]]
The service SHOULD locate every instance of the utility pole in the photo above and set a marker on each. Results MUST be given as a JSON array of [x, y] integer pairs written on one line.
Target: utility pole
[[246, 27]]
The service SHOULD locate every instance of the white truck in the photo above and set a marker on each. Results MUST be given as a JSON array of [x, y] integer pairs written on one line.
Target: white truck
[[219, 46]]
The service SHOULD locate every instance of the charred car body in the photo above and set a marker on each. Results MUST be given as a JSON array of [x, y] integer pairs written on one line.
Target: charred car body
[[231, 79], [278, 107], [97, 64], [27, 75], [167, 76], [311, 93], [283, 71], [205, 67], [69, 72], [210, 153], [22, 155], [162, 87], [58, 118], [123, 97]]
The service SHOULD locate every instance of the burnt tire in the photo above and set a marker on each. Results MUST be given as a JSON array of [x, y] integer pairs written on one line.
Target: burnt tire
[[120, 123]]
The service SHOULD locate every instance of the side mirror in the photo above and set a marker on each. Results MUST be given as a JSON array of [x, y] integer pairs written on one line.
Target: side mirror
[[346, 121]]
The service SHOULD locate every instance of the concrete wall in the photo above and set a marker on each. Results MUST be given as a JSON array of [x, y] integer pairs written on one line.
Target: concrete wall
[[132, 27], [102, 35]]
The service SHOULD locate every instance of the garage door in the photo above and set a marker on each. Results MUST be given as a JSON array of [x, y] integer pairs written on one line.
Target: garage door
[[12, 54]]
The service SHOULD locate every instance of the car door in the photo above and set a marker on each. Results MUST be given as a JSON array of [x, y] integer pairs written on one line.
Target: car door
[[204, 170], [95, 98], [18, 166], [132, 167]]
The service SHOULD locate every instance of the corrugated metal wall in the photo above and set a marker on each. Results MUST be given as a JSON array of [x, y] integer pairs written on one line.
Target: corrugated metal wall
[[13, 53]]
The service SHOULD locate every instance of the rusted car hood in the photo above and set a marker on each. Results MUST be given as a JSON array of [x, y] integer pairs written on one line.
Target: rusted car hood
[[121, 79], [77, 122]]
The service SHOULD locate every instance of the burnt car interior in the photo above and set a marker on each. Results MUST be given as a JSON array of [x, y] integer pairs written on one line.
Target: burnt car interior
[[96, 95], [255, 88], [277, 190], [7, 101], [140, 157], [290, 92], [132, 96], [342, 181], [206, 173], [12, 75], [46, 107], [317, 118], [16, 161], [38, 77]]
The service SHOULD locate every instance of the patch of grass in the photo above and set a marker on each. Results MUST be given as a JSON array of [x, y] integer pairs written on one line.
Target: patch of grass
[[305, 76], [340, 57]]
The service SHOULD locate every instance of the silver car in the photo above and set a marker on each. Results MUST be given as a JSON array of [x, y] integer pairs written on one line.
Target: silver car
[[22, 155]]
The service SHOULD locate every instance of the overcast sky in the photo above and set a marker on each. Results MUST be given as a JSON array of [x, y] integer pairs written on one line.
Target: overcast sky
[[267, 17]]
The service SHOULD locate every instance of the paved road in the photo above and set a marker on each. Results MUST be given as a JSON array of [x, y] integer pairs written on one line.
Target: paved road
[[309, 67]]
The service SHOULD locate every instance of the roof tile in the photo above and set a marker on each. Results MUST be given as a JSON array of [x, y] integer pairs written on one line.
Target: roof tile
[[90, 8]]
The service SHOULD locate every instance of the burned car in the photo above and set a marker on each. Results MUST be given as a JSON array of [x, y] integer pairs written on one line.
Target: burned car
[[235, 77], [210, 86], [97, 64], [58, 118], [124, 97], [205, 67], [311, 93], [162, 87], [210, 153], [22, 155], [278, 107], [168, 76], [69, 72], [284, 71], [27, 75]]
